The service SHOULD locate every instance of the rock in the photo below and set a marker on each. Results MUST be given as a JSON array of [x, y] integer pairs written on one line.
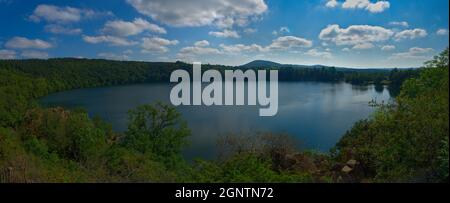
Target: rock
[[352, 163], [337, 167], [288, 161], [347, 169], [305, 163], [339, 179]]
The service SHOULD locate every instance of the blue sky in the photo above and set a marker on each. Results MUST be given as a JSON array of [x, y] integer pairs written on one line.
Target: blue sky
[[348, 33]]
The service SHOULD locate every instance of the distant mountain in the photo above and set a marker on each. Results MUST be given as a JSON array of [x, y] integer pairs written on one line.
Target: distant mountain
[[262, 63], [271, 64]]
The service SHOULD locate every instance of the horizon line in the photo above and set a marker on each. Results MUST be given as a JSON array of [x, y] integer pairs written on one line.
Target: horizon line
[[145, 61]]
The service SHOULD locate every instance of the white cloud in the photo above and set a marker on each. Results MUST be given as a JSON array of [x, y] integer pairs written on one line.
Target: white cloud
[[58, 29], [113, 56], [225, 34], [442, 31], [279, 44], [250, 30], [355, 34], [200, 48], [124, 28], [413, 53], [202, 43], [112, 40], [399, 23], [288, 42], [355, 4], [157, 45], [187, 52], [194, 13], [238, 48], [225, 23], [282, 30], [32, 54], [346, 49], [418, 50], [321, 54], [377, 7], [24, 43], [388, 47], [55, 14], [410, 34], [363, 46], [128, 51], [332, 4], [7, 54]]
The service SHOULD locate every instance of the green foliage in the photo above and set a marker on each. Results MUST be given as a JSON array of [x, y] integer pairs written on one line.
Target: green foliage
[[17, 93], [245, 168], [124, 165], [58, 145], [407, 141], [31, 167], [439, 61], [254, 158], [69, 73], [443, 164], [71, 135], [398, 77], [159, 130]]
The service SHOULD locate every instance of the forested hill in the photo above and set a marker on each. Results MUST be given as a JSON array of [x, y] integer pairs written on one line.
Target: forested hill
[[22, 81], [403, 142], [271, 64], [78, 73], [69, 73]]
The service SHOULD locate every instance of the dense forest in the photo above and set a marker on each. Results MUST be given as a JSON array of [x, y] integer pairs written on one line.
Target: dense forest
[[406, 141], [69, 73]]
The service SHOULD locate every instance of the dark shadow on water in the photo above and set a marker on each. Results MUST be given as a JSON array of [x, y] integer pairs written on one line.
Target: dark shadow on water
[[379, 88], [316, 113]]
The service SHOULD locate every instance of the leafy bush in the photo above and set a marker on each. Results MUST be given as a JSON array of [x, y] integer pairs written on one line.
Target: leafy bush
[[407, 141], [158, 130]]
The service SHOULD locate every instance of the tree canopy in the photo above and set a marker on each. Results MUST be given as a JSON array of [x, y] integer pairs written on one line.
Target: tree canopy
[[406, 141]]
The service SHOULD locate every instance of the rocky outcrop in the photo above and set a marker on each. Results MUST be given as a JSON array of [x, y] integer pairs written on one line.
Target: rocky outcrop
[[350, 172], [298, 162]]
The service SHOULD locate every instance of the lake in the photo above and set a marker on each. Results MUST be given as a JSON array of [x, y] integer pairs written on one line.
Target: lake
[[317, 114]]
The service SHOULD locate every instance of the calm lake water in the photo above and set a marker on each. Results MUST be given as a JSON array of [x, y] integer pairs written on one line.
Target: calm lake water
[[317, 114]]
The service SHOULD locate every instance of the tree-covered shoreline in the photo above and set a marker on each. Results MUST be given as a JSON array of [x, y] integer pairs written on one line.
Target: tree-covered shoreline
[[397, 144]]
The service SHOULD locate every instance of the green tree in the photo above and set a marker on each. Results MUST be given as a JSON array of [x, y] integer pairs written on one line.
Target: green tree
[[407, 141], [157, 129]]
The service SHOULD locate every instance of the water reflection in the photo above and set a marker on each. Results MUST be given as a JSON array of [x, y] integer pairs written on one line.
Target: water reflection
[[360, 88], [379, 88], [318, 114]]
